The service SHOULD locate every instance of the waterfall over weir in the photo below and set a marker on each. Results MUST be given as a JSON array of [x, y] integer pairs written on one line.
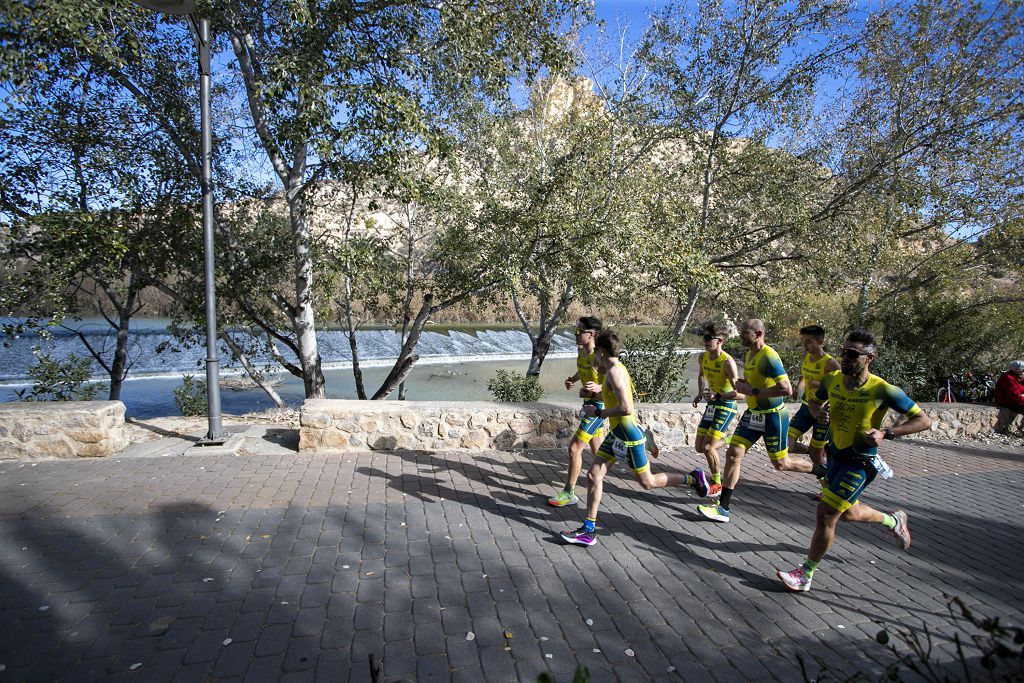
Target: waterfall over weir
[[155, 353]]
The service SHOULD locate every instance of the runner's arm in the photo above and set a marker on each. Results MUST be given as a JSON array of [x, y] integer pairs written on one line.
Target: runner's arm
[[732, 373], [783, 387], [700, 381], [917, 419], [569, 381], [799, 387], [816, 402]]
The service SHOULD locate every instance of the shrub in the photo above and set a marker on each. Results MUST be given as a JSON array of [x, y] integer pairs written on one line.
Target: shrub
[[67, 380], [656, 366], [512, 387], [191, 396]]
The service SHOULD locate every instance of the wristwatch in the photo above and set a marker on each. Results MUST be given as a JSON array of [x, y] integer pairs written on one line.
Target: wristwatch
[[755, 391], [889, 434], [597, 412]]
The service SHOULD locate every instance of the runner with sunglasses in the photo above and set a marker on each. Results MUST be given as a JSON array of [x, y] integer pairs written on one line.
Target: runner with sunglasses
[[857, 403], [716, 379], [591, 429], [764, 384]]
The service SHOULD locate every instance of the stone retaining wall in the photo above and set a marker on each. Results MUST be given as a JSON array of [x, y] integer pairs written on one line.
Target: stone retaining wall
[[72, 429], [330, 425], [952, 420]]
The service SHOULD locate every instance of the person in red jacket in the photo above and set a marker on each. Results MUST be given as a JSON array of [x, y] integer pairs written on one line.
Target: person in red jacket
[[1009, 396]]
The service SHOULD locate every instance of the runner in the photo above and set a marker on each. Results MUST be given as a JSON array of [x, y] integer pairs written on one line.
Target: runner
[[764, 384], [816, 364], [857, 403], [591, 429], [716, 377], [627, 440]]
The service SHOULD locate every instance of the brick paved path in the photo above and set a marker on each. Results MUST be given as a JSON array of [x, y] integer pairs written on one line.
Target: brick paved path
[[275, 565]]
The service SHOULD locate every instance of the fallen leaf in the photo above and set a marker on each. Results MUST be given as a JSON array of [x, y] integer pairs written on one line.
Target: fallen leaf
[[470, 636], [508, 634], [135, 666], [226, 641], [630, 653]]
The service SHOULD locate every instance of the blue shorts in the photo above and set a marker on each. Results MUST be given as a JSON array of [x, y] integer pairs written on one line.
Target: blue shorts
[[772, 425], [590, 426], [627, 441], [804, 421], [716, 419], [848, 473]]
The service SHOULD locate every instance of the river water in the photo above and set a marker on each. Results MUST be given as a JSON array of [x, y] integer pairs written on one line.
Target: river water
[[455, 365]]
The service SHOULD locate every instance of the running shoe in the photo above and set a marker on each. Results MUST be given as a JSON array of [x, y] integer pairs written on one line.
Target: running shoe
[[579, 537], [714, 512], [563, 498], [902, 529], [650, 445], [795, 579], [701, 484], [715, 491]]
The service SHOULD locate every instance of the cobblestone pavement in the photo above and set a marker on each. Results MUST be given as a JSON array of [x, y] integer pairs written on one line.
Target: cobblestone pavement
[[268, 565]]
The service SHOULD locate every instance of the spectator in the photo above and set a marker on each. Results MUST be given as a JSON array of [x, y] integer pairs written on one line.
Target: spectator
[[1009, 396]]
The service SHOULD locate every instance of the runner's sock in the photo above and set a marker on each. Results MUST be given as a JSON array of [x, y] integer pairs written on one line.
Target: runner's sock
[[590, 523], [888, 521], [690, 481], [810, 567], [723, 502], [716, 477], [571, 490]]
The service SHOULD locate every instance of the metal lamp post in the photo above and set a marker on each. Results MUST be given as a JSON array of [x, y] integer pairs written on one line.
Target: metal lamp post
[[201, 32]]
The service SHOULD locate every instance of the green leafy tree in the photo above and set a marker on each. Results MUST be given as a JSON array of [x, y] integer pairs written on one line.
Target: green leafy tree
[[556, 186], [927, 153], [735, 82], [92, 194]]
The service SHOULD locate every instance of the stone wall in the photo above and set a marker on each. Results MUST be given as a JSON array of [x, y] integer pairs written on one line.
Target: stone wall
[[337, 425], [330, 425], [957, 420], [73, 429]]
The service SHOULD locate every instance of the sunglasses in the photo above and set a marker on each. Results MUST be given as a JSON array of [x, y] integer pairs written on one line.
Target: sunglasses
[[578, 332], [708, 337], [853, 354]]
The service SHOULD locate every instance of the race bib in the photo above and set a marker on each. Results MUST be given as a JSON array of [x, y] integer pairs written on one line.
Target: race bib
[[709, 412], [756, 423], [618, 448]]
